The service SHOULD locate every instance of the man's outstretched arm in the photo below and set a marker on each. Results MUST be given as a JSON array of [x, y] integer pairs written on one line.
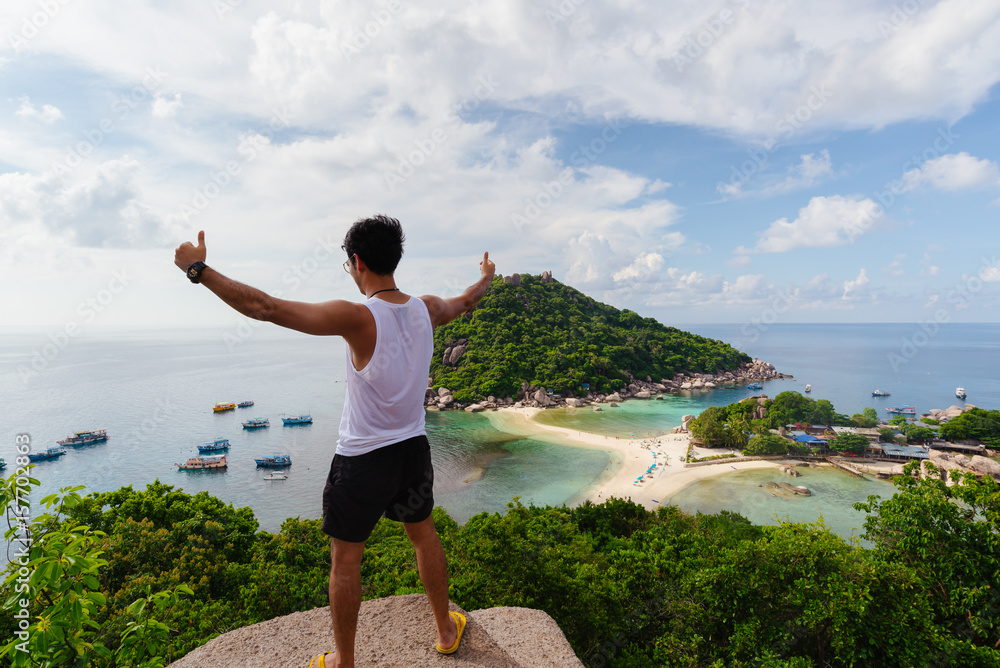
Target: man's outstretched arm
[[443, 311], [337, 317]]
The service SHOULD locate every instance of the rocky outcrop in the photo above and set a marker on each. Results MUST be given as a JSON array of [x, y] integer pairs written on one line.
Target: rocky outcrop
[[513, 279], [546, 277], [788, 487], [393, 631], [947, 462], [985, 465], [636, 388], [454, 352]]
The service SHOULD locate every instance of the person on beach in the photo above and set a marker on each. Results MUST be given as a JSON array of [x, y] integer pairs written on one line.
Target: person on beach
[[382, 465]]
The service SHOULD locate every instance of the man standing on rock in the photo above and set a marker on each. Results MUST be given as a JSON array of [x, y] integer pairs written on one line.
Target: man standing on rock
[[382, 465]]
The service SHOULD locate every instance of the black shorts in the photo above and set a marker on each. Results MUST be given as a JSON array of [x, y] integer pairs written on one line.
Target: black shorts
[[396, 481]]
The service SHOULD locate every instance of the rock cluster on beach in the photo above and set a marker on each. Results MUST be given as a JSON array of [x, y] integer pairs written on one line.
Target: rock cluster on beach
[[539, 397]]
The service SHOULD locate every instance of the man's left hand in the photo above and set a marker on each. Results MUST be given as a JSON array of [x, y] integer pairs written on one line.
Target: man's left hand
[[187, 253]]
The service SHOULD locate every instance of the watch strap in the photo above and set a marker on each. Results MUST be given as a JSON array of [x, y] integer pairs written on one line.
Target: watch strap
[[194, 271]]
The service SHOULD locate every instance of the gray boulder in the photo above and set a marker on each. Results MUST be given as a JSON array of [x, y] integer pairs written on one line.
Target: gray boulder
[[985, 465], [456, 354], [614, 396]]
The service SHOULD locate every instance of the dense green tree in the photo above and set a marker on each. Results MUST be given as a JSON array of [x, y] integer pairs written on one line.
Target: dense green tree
[[767, 444], [848, 442], [976, 423], [949, 538], [915, 434], [710, 426], [866, 419]]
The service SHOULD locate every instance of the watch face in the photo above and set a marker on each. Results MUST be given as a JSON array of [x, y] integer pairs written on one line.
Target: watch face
[[192, 272]]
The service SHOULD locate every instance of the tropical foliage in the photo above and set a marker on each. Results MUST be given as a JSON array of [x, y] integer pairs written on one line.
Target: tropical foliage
[[629, 587], [977, 423], [553, 336]]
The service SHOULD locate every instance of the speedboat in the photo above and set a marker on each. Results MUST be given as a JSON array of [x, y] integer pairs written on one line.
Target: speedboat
[[960, 392]]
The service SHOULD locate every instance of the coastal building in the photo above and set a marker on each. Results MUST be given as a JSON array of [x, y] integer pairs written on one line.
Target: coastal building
[[903, 452], [963, 448], [813, 443], [817, 429]]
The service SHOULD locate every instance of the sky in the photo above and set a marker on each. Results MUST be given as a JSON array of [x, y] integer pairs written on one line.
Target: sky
[[718, 161]]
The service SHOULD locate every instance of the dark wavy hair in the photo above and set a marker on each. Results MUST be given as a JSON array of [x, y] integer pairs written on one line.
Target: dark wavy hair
[[378, 241]]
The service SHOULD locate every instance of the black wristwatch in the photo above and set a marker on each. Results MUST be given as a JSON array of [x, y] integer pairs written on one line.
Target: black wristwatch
[[194, 271]]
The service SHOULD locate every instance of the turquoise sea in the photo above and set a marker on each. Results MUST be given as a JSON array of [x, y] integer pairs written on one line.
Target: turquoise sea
[[154, 391]]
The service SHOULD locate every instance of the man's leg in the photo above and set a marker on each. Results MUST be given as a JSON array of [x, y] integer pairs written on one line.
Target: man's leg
[[433, 567], [345, 597]]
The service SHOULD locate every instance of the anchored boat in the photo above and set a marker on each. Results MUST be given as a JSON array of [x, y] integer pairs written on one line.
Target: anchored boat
[[902, 410], [755, 386], [221, 408], [256, 423], [960, 392], [85, 437], [214, 446], [880, 393], [245, 404], [297, 419], [52, 453], [275, 460], [213, 462]]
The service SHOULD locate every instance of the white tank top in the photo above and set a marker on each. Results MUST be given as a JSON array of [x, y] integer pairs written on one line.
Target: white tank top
[[385, 400]]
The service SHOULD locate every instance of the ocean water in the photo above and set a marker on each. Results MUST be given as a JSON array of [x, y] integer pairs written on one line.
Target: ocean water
[[154, 391]]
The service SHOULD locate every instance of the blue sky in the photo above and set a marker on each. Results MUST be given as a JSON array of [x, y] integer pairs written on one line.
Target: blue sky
[[719, 161]]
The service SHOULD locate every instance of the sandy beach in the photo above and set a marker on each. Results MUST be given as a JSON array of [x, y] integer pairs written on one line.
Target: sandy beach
[[656, 461]]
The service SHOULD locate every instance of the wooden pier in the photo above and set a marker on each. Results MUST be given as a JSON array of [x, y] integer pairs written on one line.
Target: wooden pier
[[844, 466]]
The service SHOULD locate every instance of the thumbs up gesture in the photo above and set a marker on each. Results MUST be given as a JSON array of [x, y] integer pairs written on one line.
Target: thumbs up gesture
[[187, 253]]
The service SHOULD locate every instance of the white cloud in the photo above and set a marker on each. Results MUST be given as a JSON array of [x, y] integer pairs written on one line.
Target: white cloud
[[953, 172], [812, 169], [739, 261], [854, 288], [48, 114], [643, 268], [990, 273], [895, 268], [102, 209], [164, 107], [824, 222]]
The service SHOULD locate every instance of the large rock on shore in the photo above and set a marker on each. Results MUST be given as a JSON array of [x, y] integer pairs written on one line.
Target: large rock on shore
[[393, 631], [985, 465], [613, 397]]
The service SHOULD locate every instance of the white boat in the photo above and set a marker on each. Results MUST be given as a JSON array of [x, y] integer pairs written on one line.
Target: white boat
[[960, 392], [276, 476], [809, 388]]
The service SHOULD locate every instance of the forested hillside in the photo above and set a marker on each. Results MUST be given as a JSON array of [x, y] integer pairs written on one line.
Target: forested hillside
[[551, 335]]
